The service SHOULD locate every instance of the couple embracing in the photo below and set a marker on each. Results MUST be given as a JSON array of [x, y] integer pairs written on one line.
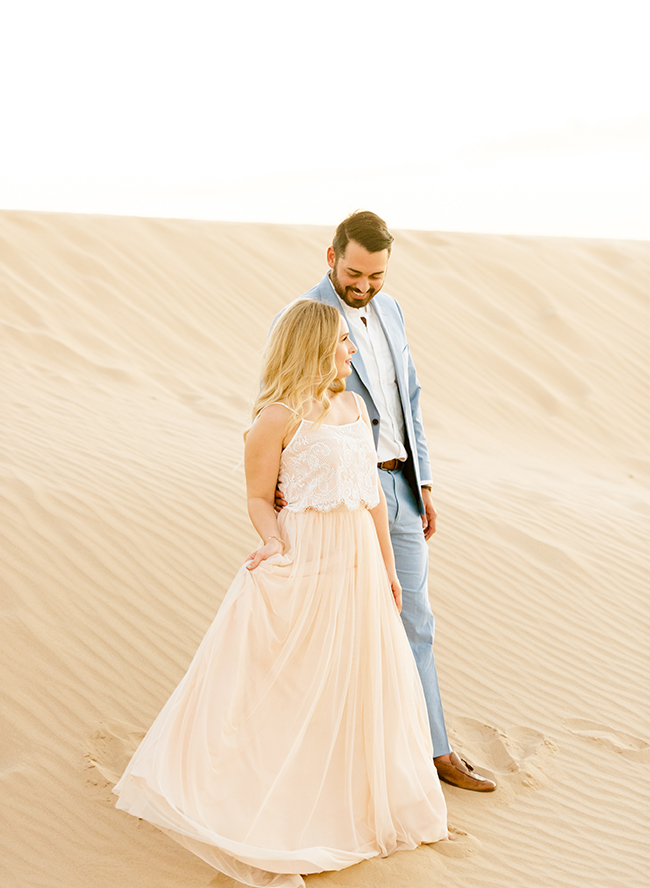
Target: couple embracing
[[308, 733]]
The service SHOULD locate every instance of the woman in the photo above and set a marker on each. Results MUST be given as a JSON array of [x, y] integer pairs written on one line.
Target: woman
[[298, 740]]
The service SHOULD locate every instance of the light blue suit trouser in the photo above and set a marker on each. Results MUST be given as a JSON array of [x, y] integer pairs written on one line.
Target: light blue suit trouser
[[412, 564]]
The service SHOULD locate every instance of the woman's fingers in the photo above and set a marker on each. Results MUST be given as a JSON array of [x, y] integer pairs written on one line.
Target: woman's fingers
[[259, 555], [254, 560], [397, 595]]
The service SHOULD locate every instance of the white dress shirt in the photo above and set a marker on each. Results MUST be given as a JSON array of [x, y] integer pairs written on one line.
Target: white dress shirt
[[378, 359]]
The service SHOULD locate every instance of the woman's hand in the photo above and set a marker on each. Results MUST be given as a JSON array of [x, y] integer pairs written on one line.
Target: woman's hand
[[273, 547], [396, 589]]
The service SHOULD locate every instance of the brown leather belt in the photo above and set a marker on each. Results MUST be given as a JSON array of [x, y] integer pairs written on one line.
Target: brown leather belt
[[390, 465]]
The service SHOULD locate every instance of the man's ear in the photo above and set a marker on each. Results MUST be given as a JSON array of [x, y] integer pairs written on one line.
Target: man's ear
[[331, 258]]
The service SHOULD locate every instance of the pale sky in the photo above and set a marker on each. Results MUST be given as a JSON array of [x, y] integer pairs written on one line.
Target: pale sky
[[515, 117]]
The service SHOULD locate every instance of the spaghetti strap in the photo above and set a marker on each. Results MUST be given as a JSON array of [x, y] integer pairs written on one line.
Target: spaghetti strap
[[357, 398], [281, 403]]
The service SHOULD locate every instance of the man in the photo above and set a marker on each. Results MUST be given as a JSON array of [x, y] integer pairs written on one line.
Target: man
[[384, 375]]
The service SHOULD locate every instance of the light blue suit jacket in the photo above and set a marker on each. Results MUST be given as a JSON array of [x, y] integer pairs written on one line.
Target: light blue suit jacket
[[390, 314]]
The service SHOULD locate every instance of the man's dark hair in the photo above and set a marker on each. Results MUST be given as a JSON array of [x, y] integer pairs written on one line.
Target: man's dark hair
[[367, 229]]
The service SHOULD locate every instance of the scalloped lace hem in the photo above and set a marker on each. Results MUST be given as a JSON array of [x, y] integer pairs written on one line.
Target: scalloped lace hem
[[330, 507]]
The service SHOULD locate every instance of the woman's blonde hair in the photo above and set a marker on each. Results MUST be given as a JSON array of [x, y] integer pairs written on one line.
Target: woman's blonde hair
[[298, 362]]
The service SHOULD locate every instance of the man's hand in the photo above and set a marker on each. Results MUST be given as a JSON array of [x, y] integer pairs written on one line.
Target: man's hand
[[280, 501], [430, 514]]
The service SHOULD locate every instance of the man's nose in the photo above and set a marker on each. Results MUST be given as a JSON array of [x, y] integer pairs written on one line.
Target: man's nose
[[362, 285]]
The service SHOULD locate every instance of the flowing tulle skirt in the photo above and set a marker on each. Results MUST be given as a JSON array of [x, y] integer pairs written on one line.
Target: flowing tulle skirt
[[298, 740]]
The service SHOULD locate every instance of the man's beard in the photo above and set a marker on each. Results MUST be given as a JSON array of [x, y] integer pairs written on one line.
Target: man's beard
[[346, 292]]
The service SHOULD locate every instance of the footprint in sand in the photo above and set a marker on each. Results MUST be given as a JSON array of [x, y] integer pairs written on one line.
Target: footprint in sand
[[460, 844], [108, 752], [627, 745], [517, 757]]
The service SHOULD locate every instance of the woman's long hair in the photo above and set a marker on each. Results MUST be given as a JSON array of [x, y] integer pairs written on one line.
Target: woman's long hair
[[298, 362]]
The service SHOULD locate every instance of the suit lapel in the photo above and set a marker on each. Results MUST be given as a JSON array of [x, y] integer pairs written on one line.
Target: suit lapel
[[327, 294]]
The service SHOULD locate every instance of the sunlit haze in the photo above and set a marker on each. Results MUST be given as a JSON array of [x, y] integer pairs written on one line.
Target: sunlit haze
[[522, 118]]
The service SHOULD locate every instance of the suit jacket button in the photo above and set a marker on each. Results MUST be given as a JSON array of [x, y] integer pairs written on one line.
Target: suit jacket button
[[375, 422]]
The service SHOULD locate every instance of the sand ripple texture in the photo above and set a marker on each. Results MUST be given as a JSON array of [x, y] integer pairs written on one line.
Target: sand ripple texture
[[129, 350]]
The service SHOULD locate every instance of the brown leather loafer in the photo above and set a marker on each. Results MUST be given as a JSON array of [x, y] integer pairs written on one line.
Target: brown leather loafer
[[460, 773]]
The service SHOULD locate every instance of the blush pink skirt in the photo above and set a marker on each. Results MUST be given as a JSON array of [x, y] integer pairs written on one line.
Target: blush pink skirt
[[298, 739]]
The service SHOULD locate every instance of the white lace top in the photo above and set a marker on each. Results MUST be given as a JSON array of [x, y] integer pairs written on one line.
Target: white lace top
[[327, 466]]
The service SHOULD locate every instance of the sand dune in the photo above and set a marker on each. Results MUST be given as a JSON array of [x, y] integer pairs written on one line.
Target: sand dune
[[129, 351]]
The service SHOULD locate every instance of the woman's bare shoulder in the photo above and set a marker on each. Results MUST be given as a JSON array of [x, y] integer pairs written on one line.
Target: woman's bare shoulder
[[277, 411], [274, 418]]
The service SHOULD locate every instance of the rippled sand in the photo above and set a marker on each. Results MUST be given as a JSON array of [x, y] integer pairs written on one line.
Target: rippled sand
[[129, 350]]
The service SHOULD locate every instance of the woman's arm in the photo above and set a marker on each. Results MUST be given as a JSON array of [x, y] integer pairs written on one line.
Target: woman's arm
[[380, 517], [262, 453]]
